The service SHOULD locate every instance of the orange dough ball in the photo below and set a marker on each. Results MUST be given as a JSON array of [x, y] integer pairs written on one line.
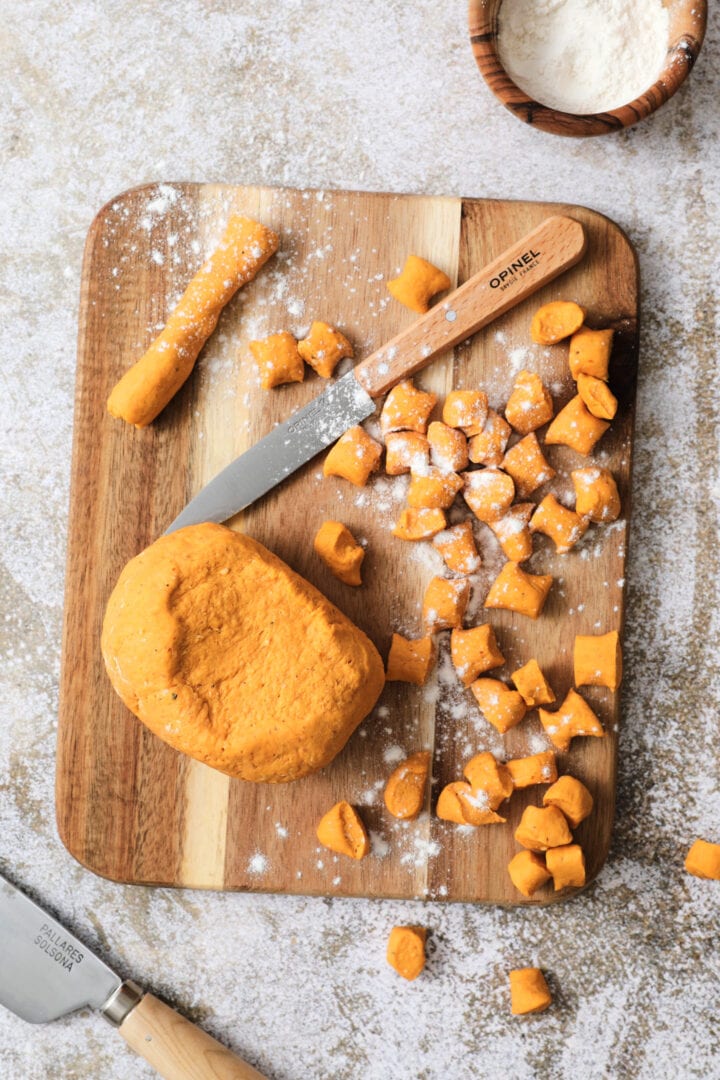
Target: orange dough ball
[[406, 409], [488, 492], [532, 685], [410, 660], [515, 590], [278, 360], [340, 551], [597, 396], [405, 450], [528, 872], [353, 457], [449, 807], [572, 797], [512, 531], [488, 441], [598, 660], [527, 465], [567, 866], [590, 353], [324, 348], [458, 549], [466, 409], [529, 992], [474, 651], [703, 860], [448, 447], [555, 321], [543, 827], [574, 717], [596, 494], [341, 830], [501, 706], [405, 790], [576, 427], [530, 404], [445, 603], [433, 488], [535, 769], [406, 950], [563, 526], [419, 524], [418, 283], [484, 773]]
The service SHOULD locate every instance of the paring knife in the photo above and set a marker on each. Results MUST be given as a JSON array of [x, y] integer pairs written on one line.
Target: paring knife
[[47, 973], [554, 246]]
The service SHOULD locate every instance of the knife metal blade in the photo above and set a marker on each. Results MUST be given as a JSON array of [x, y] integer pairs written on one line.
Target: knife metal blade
[[46, 972], [287, 447]]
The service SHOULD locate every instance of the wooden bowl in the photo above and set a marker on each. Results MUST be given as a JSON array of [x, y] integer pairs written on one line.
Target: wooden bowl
[[688, 19]]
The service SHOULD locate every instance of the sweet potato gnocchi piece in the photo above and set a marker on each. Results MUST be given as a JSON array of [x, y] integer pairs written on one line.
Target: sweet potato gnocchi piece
[[555, 321], [432, 488], [465, 409], [597, 660], [405, 789], [529, 992], [458, 548], [488, 441], [405, 450], [532, 685], [342, 830], [278, 360], [574, 717], [353, 457], [485, 773], [590, 353], [474, 651], [543, 827], [410, 660], [596, 494], [516, 590], [598, 397], [703, 860], [419, 524], [535, 769], [418, 283], [476, 809], [340, 551], [527, 465], [449, 807], [576, 427], [445, 603], [448, 447], [501, 706], [572, 797], [488, 492], [512, 532], [324, 348], [567, 866], [406, 409], [564, 527], [406, 950], [528, 872], [529, 405]]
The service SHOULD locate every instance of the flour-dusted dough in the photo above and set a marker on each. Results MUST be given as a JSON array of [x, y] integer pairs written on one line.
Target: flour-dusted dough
[[229, 656]]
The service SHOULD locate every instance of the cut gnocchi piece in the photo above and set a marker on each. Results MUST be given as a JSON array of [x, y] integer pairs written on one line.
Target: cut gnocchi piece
[[564, 527], [353, 457], [458, 548], [465, 409], [324, 348], [597, 660], [448, 447], [485, 773], [596, 494], [410, 660], [501, 706], [572, 797], [574, 717], [535, 769], [528, 872], [404, 451], [590, 353], [340, 551], [488, 441], [419, 524], [342, 830], [418, 282], [576, 427], [488, 492], [406, 950], [532, 685], [449, 807], [512, 532], [703, 860], [598, 397], [445, 603], [555, 321], [278, 360], [406, 409], [529, 991], [567, 866], [529, 405], [405, 790], [543, 827], [516, 590], [432, 488], [474, 651], [527, 465]]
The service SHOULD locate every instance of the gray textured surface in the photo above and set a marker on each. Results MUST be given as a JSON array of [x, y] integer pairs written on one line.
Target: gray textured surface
[[381, 95]]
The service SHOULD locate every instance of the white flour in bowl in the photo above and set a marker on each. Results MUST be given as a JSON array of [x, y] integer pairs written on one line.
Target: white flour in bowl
[[583, 56]]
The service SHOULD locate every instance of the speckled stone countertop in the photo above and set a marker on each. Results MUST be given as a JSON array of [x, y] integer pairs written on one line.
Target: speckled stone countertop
[[98, 97]]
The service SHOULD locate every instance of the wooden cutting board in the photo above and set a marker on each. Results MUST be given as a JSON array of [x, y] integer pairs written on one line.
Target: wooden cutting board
[[128, 806]]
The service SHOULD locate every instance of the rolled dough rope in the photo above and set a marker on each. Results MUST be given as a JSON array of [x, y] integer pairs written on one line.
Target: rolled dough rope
[[148, 386]]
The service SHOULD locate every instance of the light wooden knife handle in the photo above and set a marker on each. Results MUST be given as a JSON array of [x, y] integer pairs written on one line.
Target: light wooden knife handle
[[554, 246], [176, 1048]]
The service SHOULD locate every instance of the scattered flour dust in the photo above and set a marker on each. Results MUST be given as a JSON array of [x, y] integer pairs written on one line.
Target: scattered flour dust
[[258, 864], [583, 56]]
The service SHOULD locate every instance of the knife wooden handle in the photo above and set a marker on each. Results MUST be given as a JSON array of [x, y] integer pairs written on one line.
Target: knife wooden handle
[[176, 1048], [554, 246]]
